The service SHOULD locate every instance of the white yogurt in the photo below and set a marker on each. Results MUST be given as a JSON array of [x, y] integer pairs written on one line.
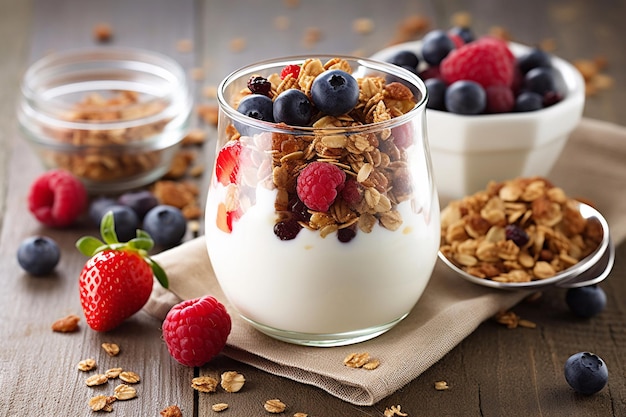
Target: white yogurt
[[320, 285]]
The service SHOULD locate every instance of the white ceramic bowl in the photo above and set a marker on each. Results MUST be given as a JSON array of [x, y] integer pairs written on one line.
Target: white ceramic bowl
[[469, 151]]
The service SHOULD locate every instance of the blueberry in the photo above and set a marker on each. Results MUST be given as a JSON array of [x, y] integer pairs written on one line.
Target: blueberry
[[528, 101], [436, 45], [436, 88], [126, 222], [166, 224], [586, 301], [465, 97], [335, 92], [257, 106], [38, 255], [293, 108], [464, 33], [533, 59], [539, 80], [586, 373], [405, 59], [140, 201], [98, 207]]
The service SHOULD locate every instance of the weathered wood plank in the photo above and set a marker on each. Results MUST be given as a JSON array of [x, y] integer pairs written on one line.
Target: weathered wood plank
[[38, 367]]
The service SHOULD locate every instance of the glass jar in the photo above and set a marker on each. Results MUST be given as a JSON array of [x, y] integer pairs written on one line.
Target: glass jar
[[315, 273], [112, 117]]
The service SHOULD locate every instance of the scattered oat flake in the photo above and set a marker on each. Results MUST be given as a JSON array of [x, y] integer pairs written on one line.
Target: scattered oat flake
[[312, 35], [209, 113], [195, 137], [462, 19], [171, 411], [282, 23], [113, 373], [101, 403], [97, 379], [291, 3], [274, 406], [87, 365], [300, 415], [209, 91], [441, 385], [356, 360], [394, 410], [102, 32], [363, 25], [66, 324], [197, 74], [372, 364], [232, 381], [237, 44], [129, 377], [184, 45], [124, 392], [111, 349], [204, 384], [219, 407]]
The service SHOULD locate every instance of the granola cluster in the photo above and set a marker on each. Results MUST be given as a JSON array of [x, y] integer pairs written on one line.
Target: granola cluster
[[100, 160], [375, 161], [548, 234]]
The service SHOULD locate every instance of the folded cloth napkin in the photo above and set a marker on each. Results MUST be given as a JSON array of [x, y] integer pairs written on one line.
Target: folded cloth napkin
[[591, 166]]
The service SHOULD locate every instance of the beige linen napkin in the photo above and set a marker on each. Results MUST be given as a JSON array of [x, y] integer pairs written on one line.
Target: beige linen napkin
[[592, 166]]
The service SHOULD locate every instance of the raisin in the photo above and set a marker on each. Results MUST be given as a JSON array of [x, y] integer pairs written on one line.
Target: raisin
[[287, 229]]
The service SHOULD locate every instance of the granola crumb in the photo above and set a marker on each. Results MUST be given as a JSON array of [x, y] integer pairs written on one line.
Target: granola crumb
[[171, 411], [102, 32], [441, 385], [356, 360], [87, 365], [209, 113], [101, 403], [130, 377], [67, 324], [394, 410], [282, 23], [363, 25], [232, 381], [204, 384], [184, 45], [237, 44]]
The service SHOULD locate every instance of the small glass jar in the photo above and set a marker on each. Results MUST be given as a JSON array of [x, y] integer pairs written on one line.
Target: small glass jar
[[112, 117], [343, 268]]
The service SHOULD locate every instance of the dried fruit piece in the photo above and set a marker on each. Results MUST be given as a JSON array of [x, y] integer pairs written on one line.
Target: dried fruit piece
[[66, 324]]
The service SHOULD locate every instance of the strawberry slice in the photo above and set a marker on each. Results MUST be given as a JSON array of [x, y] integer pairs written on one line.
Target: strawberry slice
[[227, 163]]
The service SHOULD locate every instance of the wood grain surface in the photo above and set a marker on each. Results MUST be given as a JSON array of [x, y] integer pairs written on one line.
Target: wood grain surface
[[494, 372]]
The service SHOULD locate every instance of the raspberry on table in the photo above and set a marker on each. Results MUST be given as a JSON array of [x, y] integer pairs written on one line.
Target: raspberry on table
[[318, 185], [196, 330], [57, 198]]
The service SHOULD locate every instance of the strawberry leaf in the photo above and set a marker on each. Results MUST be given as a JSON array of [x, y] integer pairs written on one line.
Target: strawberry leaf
[[107, 228], [89, 245], [142, 243], [159, 273]]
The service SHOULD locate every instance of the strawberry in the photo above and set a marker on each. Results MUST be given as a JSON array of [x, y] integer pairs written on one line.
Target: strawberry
[[487, 61], [227, 163], [116, 281]]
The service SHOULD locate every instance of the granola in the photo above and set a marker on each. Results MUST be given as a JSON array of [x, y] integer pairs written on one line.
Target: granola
[[520, 230], [375, 162], [67, 324]]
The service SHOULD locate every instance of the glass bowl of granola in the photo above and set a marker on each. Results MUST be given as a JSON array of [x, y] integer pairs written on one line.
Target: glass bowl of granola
[[468, 150], [112, 117], [322, 217], [525, 233]]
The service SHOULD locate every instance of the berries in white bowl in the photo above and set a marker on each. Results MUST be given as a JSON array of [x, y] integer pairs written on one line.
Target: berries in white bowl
[[496, 132]]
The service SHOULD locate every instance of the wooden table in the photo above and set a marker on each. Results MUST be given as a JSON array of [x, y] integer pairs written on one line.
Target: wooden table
[[493, 372]]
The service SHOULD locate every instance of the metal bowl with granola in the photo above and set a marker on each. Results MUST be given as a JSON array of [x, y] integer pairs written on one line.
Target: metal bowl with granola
[[525, 233], [112, 117]]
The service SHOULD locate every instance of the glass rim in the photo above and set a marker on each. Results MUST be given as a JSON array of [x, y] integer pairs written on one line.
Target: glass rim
[[372, 64]]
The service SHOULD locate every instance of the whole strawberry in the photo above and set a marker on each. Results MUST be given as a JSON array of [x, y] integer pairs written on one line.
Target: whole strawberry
[[116, 281], [196, 330]]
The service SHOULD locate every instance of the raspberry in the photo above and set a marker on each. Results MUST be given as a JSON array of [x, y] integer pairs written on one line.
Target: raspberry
[[500, 99], [196, 330], [318, 185], [57, 198], [294, 70], [487, 61]]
